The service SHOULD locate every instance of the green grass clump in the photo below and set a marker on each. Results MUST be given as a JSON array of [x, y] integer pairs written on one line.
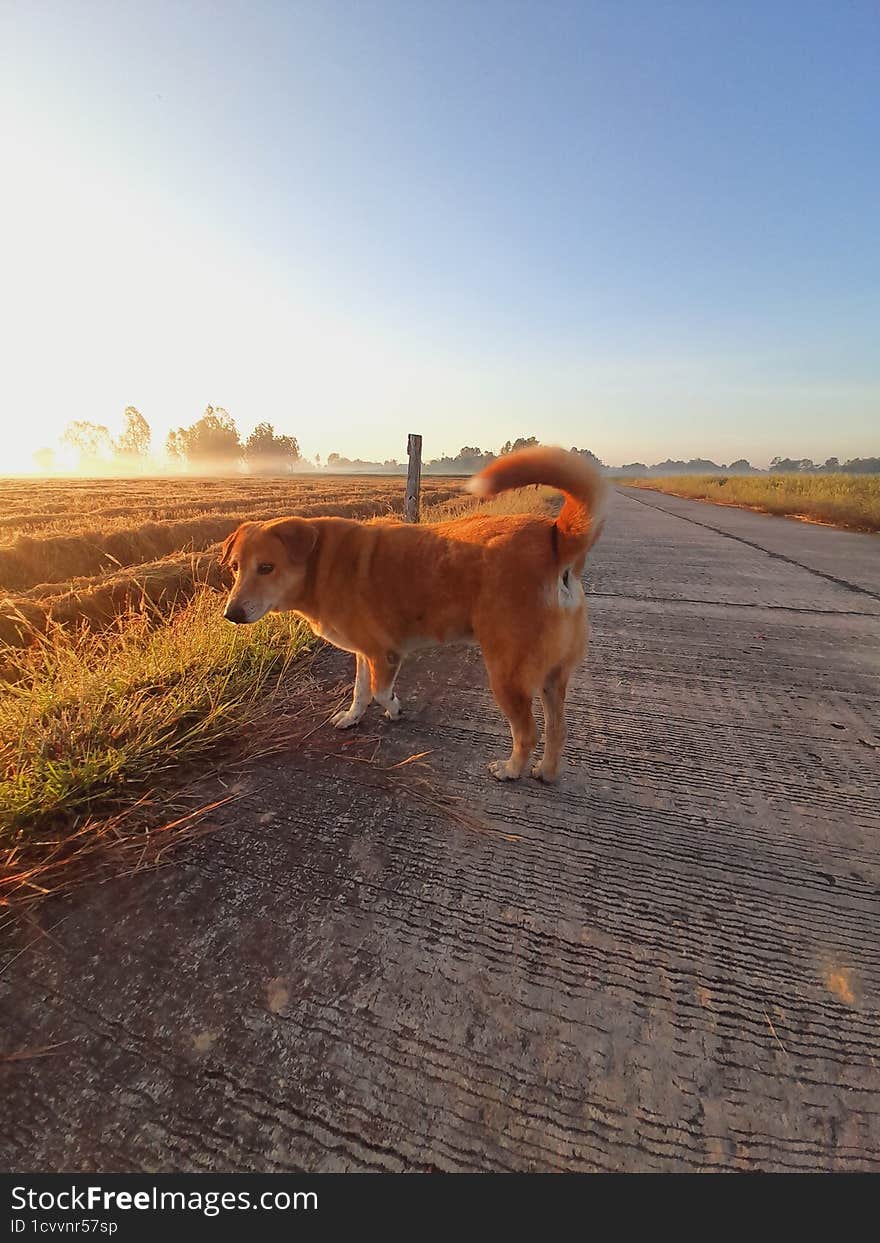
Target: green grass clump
[[92, 722], [851, 501]]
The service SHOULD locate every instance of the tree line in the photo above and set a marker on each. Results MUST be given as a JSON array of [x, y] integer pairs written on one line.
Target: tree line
[[778, 466], [214, 441], [213, 444], [471, 459]]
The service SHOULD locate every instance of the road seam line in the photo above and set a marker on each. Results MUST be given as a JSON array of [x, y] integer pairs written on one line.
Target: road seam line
[[777, 556]]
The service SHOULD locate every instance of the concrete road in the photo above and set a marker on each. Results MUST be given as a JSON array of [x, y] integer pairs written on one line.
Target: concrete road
[[670, 961]]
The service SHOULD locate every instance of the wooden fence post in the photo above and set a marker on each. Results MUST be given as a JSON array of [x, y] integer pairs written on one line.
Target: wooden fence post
[[413, 478]]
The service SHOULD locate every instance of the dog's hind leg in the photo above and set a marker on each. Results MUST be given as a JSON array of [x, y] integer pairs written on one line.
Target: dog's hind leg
[[361, 698], [383, 674], [515, 701], [553, 701]]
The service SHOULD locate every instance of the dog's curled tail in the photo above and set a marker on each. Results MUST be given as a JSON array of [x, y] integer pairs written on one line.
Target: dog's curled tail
[[580, 520]]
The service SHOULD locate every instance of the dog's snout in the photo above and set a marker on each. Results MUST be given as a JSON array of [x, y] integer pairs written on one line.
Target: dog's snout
[[235, 613]]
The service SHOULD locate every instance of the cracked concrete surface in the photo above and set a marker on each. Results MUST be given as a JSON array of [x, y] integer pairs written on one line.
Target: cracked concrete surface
[[668, 962]]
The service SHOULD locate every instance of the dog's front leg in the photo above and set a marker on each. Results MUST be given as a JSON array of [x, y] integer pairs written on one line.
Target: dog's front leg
[[361, 698]]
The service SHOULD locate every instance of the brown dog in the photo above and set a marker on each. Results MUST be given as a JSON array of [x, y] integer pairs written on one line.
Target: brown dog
[[510, 583]]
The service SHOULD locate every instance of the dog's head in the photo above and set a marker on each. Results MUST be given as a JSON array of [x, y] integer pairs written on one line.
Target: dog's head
[[269, 561]]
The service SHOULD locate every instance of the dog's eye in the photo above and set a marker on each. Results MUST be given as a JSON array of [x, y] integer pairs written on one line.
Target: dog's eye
[[234, 567], [265, 568]]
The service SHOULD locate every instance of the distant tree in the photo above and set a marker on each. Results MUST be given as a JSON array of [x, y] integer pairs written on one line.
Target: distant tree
[[174, 446], [317, 459], [589, 457], [134, 442], [360, 466], [862, 466], [696, 466], [45, 460], [90, 441], [523, 442], [268, 454], [468, 460], [741, 467], [212, 443], [788, 466], [831, 465]]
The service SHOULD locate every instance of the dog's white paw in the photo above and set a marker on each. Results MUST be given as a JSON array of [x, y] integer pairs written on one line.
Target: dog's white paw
[[501, 771], [539, 774], [394, 710], [345, 719]]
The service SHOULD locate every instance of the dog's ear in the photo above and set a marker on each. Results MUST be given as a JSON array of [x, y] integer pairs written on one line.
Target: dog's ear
[[226, 549], [297, 535]]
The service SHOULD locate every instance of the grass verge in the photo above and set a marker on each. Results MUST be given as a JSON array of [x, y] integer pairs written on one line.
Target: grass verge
[[537, 499], [849, 501], [97, 729]]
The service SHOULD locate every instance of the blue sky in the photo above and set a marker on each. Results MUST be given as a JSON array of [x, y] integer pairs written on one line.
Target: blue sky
[[645, 228]]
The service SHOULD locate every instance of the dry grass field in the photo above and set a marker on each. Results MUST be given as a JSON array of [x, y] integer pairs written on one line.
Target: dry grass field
[[851, 501], [84, 551], [119, 679]]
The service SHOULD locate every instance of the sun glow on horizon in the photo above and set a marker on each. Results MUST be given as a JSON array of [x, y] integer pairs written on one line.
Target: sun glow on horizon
[[371, 227]]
